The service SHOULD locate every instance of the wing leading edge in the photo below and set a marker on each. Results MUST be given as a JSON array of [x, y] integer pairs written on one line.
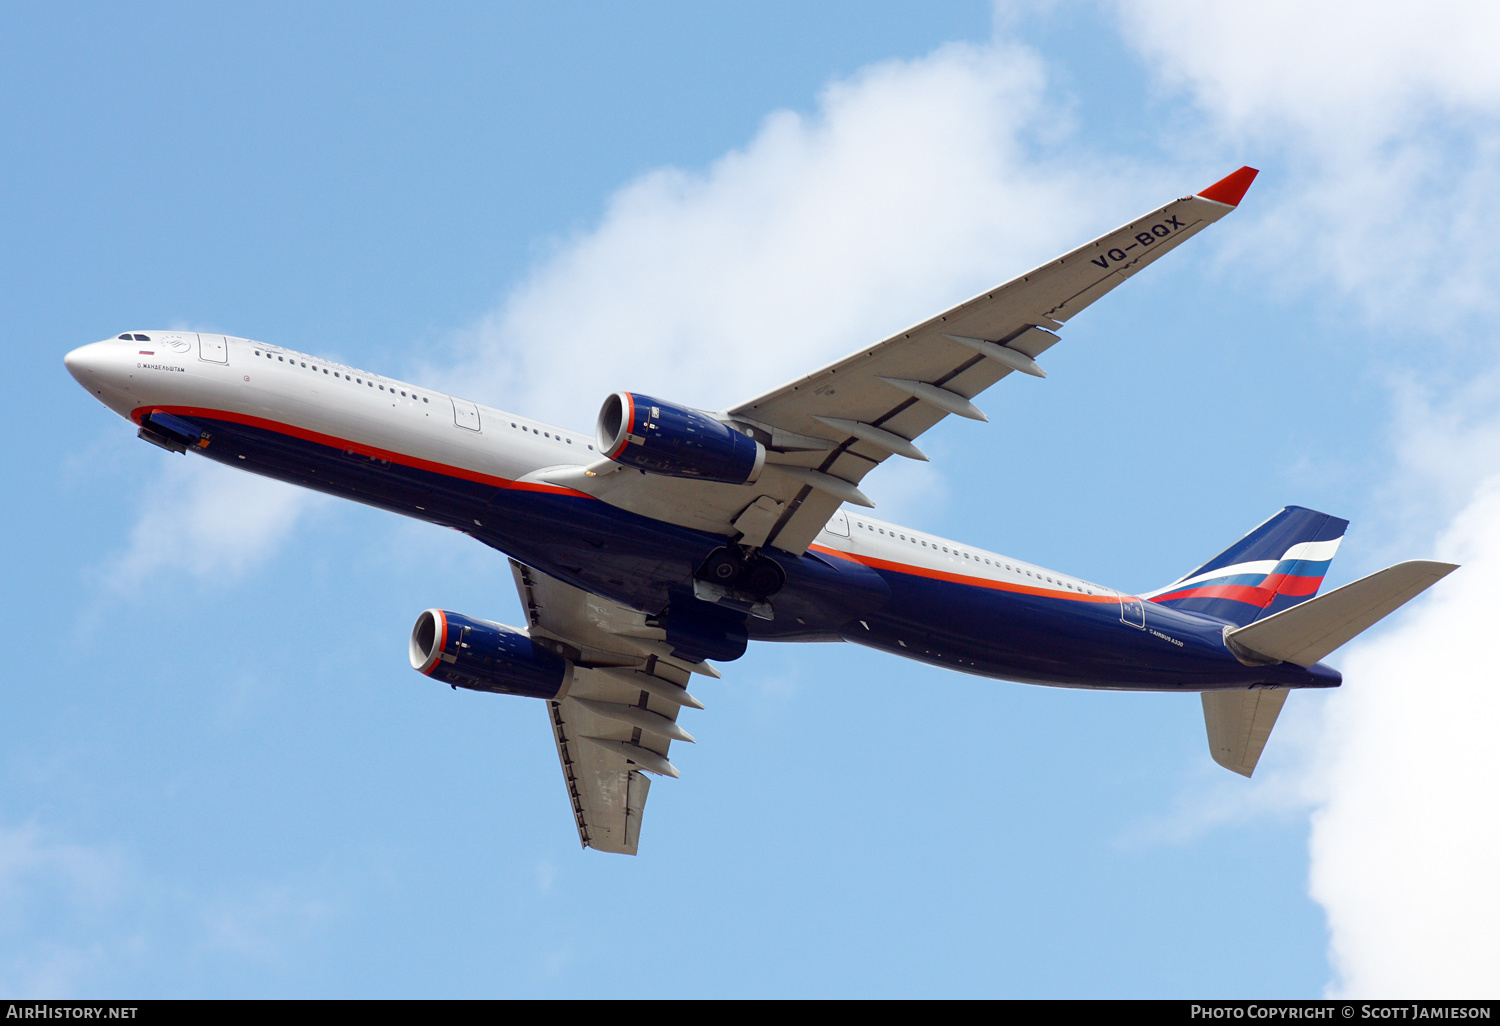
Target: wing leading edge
[[824, 432], [836, 424]]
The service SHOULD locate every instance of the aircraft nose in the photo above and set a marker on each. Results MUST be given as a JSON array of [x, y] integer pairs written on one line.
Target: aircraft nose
[[90, 363], [85, 362]]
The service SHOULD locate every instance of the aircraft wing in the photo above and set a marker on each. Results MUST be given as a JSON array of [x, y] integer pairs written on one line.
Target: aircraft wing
[[829, 429], [616, 717], [824, 432]]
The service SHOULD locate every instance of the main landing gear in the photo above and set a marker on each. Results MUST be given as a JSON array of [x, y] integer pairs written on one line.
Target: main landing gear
[[732, 567]]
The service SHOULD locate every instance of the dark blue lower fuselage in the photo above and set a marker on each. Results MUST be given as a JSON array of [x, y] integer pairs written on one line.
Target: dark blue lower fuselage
[[829, 595]]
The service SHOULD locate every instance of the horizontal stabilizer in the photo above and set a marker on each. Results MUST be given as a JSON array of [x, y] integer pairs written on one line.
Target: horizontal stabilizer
[[1239, 724], [1306, 633]]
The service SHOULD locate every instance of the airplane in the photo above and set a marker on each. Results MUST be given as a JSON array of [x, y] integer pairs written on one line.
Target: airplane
[[671, 537]]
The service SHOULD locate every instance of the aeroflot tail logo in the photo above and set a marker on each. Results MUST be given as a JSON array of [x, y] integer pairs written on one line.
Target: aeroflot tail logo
[[1298, 573], [1143, 240]]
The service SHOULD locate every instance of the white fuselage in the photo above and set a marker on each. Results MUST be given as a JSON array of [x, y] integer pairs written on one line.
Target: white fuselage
[[337, 404]]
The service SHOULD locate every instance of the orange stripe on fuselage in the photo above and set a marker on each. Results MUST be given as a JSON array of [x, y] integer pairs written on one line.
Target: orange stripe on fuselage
[[977, 582], [416, 462], [333, 441]]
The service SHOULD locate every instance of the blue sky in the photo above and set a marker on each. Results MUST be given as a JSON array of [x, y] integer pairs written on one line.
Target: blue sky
[[218, 776]]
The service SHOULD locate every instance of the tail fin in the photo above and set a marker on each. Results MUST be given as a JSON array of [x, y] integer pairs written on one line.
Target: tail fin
[[1279, 564]]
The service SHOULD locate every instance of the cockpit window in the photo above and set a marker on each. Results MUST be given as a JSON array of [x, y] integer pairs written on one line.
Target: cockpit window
[[125, 338], [141, 338]]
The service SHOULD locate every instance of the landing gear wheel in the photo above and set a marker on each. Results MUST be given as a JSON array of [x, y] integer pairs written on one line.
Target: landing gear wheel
[[721, 567], [764, 577]]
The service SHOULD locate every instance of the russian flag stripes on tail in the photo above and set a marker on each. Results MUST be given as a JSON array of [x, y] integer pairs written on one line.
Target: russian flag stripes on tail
[[1279, 564]]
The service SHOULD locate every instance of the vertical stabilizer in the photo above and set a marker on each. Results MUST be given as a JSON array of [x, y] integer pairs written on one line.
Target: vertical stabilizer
[[1279, 564], [1239, 725]]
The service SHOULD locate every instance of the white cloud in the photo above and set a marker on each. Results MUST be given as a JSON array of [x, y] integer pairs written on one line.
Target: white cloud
[[1378, 123], [268, 922], [1343, 74], [1385, 121], [1404, 843], [209, 521], [76, 885], [911, 186]]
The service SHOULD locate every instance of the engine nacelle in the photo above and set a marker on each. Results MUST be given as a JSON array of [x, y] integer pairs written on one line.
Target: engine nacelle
[[676, 441], [484, 656]]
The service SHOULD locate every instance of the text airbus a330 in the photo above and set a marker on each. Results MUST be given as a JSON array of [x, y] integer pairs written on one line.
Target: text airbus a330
[[673, 536]]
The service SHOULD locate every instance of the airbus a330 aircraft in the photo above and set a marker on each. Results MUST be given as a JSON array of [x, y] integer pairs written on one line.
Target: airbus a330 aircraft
[[673, 536]]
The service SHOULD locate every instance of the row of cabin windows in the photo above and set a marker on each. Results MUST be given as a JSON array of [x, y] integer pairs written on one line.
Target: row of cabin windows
[[371, 384], [347, 377], [545, 434], [977, 559]]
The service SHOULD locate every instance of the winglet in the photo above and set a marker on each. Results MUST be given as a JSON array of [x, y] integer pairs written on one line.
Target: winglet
[[1229, 191]]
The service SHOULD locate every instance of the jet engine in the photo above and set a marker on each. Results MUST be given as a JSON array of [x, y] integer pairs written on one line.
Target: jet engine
[[484, 656], [676, 441]]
